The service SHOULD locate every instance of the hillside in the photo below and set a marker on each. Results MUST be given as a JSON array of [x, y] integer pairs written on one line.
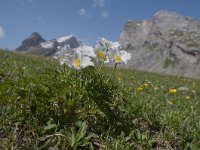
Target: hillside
[[48, 106], [167, 43]]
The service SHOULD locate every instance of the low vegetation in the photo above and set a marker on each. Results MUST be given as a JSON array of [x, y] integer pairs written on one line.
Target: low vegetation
[[177, 33], [170, 62], [48, 106]]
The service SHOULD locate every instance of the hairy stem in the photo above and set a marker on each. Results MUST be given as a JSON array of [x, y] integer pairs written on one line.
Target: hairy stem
[[112, 72]]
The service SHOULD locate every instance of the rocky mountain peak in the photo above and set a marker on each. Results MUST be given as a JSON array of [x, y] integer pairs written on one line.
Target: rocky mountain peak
[[169, 19], [33, 40], [36, 35], [165, 13], [167, 42]]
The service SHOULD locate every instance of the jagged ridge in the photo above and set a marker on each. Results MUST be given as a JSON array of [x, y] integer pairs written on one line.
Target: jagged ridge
[[35, 44]]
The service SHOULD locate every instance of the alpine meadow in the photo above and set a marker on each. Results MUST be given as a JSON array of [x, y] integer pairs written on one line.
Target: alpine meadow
[[83, 99]]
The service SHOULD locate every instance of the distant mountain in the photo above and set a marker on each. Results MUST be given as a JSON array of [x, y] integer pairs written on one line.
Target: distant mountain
[[168, 43], [33, 40], [35, 44]]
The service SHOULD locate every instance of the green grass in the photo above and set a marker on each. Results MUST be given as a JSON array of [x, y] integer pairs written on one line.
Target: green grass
[[170, 62], [48, 106]]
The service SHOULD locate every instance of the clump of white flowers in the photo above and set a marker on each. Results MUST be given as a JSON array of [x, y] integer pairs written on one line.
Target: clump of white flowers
[[105, 51], [75, 58]]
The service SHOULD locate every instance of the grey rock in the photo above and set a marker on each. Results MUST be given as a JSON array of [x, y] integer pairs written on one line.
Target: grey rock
[[166, 43], [33, 40]]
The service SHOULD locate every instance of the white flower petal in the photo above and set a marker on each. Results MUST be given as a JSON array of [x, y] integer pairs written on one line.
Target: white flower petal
[[62, 62], [115, 45], [86, 61], [125, 56], [86, 50]]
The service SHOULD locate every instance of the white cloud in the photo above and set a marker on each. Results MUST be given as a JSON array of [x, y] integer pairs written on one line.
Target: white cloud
[[82, 12], [104, 14], [99, 3], [2, 32]]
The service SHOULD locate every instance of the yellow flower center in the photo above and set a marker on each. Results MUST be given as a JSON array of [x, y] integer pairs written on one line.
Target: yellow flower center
[[117, 58], [101, 54], [77, 62]]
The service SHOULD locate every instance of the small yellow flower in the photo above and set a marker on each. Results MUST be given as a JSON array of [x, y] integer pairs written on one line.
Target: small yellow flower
[[173, 91], [119, 79], [146, 84], [187, 97], [193, 85], [140, 89]]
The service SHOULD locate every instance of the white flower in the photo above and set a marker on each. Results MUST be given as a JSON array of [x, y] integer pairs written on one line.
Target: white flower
[[78, 60], [102, 48], [112, 50], [86, 50], [63, 53], [115, 45], [109, 45], [106, 44], [120, 56], [101, 53]]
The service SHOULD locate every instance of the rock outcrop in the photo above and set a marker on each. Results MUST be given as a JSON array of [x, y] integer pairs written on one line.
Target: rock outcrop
[[33, 40], [168, 43]]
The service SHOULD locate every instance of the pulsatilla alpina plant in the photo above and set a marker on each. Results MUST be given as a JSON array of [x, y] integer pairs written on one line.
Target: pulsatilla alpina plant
[[94, 88], [78, 90]]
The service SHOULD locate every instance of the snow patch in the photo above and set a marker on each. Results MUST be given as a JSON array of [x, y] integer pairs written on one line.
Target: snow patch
[[48, 44], [63, 38]]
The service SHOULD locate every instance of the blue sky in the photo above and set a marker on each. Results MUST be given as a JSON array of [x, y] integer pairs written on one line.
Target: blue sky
[[87, 19]]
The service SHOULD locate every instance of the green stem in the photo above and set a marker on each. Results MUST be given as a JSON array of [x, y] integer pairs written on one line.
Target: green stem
[[64, 67], [112, 72], [75, 90], [100, 68], [76, 74]]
